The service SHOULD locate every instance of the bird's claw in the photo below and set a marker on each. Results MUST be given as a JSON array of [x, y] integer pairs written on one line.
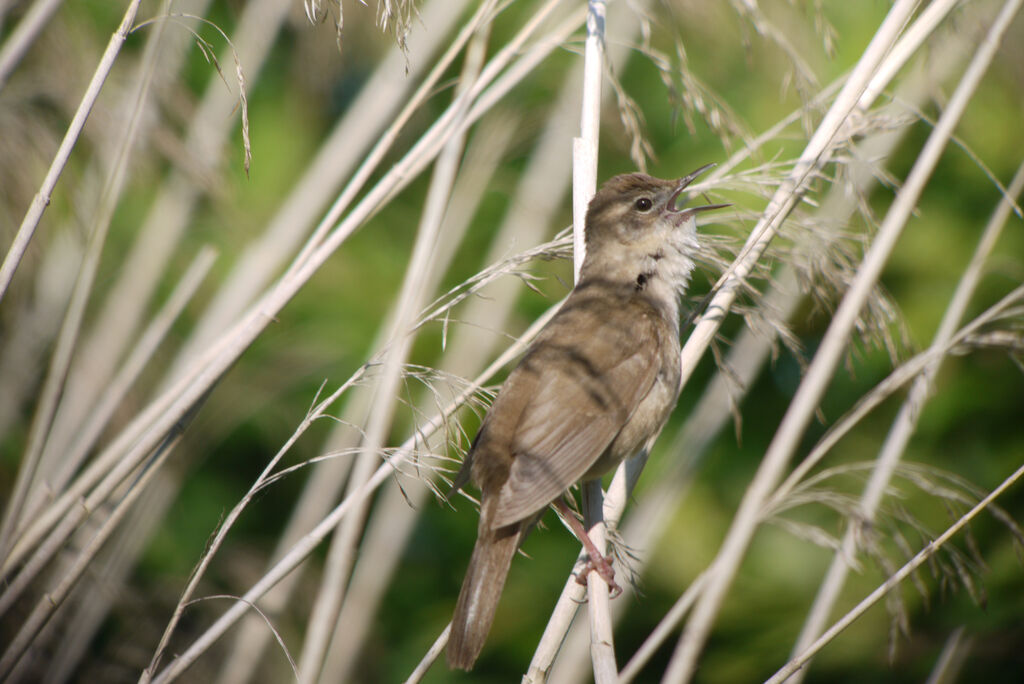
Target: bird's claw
[[602, 565]]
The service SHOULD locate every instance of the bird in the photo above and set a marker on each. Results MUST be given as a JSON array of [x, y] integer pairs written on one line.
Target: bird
[[596, 386]]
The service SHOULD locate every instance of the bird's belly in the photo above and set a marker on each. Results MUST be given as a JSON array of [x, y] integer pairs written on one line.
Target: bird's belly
[[645, 423]]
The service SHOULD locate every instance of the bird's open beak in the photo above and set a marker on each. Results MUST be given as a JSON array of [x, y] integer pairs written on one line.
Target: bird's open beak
[[679, 215]]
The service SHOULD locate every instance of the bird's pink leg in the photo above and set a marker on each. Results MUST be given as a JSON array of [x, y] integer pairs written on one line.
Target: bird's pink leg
[[598, 562]]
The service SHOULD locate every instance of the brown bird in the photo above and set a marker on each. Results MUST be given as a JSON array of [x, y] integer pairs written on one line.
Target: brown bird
[[595, 387]]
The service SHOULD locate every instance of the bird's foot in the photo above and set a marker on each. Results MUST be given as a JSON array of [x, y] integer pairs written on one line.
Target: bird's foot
[[602, 565]]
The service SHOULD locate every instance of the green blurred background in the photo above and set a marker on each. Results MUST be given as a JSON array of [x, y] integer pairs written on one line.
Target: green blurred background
[[971, 427]]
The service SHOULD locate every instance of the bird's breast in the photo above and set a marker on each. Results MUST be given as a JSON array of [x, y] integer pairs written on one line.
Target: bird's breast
[[647, 420]]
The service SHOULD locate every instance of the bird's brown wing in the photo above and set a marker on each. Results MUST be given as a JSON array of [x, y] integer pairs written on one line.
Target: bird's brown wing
[[582, 390]]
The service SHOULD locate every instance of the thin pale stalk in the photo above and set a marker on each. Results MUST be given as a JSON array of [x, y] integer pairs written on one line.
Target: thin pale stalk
[[99, 352], [435, 650], [392, 524], [381, 549], [905, 48], [904, 424], [791, 190], [785, 199], [602, 638], [902, 375], [572, 596], [533, 208], [405, 450], [145, 263], [372, 160], [24, 35], [124, 379], [584, 185], [653, 512], [136, 361], [410, 300], [48, 401], [96, 595], [49, 602], [915, 91], [553, 640], [858, 92], [372, 111], [584, 149], [465, 355], [311, 540], [624, 19], [382, 93], [414, 161], [836, 337], [54, 389], [174, 206], [529, 59], [951, 660], [141, 436], [77, 511], [746, 357], [322, 489], [29, 336], [328, 225], [663, 630], [534, 204], [47, 531], [318, 411], [42, 198], [894, 581]]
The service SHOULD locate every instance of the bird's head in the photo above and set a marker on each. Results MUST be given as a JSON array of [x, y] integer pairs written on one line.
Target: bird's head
[[635, 231]]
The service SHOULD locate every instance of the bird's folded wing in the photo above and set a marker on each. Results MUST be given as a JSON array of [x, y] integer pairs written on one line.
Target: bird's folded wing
[[583, 396]]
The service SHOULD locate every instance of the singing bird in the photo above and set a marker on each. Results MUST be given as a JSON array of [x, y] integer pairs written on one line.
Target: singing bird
[[595, 387]]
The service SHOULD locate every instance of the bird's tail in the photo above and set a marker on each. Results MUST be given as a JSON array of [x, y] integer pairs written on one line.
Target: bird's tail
[[478, 600]]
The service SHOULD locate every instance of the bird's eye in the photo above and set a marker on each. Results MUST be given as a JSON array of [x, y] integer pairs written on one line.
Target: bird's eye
[[643, 204]]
